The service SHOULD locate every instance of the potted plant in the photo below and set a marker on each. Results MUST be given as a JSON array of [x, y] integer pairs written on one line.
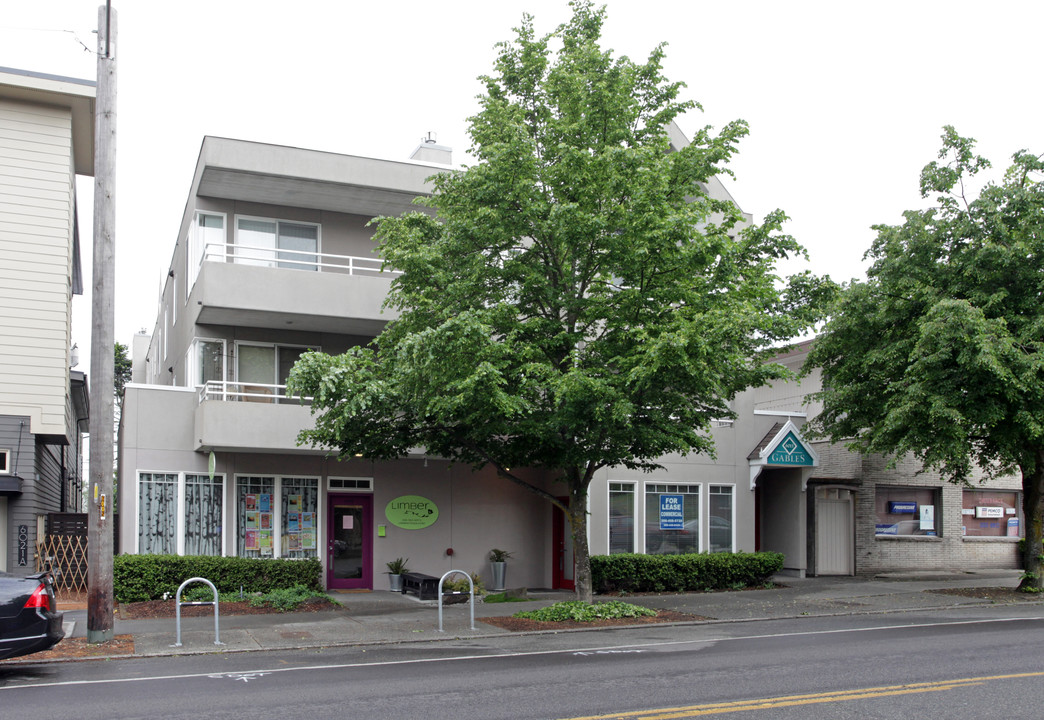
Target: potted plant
[[396, 569], [498, 564]]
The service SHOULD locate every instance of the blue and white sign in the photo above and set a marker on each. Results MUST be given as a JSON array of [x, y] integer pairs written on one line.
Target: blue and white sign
[[902, 508], [672, 512]]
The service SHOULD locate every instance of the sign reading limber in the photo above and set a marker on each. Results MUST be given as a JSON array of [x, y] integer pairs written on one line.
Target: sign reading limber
[[411, 512]]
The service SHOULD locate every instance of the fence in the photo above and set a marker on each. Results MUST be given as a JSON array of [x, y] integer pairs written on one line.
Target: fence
[[66, 557], [64, 550]]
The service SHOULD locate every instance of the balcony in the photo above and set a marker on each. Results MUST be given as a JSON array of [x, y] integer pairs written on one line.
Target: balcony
[[250, 417], [247, 286]]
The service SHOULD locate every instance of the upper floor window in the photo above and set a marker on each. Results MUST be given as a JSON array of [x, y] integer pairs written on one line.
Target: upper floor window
[[5, 462], [206, 240], [207, 362], [277, 243]]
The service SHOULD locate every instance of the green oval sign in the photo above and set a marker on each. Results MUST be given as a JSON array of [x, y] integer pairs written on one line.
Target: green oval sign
[[411, 512]]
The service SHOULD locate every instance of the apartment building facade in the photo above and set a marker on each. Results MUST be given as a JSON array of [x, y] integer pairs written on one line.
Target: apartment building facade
[[46, 139], [274, 257]]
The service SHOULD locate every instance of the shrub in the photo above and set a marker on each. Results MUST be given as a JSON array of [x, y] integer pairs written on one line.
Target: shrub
[[136, 578], [629, 573], [584, 612], [285, 599]]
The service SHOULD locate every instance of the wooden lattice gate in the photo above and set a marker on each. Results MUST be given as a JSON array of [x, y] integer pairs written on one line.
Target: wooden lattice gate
[[64, 549]]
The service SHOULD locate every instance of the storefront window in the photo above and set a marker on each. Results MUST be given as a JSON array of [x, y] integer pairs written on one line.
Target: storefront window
[[720, 515], [203, 503], [907, 511], [990, 513], [255, 516], [300, 499], [621, 517], [157, 513], [672, 519]]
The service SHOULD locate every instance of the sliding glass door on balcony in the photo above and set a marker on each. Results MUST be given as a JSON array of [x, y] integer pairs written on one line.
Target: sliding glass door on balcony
[[262, 370], [274, 243]]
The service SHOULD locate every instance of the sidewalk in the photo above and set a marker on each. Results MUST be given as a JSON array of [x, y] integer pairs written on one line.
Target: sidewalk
[[382, 617]]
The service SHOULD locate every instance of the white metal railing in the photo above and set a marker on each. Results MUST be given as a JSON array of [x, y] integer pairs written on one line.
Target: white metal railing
[[295, 259], [225, 391]]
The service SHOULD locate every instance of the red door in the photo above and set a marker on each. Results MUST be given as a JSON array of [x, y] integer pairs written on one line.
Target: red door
[[349, 554], [563, 562]]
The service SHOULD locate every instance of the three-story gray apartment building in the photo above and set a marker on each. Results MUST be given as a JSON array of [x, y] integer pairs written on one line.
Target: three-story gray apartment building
[[274, 257], [46, 139]]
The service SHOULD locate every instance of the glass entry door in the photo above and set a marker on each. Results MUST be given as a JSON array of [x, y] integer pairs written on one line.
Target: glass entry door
[[349, 556]]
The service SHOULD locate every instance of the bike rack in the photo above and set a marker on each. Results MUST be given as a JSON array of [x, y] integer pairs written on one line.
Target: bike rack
[[471, 600], [214, 602]]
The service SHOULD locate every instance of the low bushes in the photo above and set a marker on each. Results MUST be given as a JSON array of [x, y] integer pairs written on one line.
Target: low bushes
[[628, 573], [136, 578]]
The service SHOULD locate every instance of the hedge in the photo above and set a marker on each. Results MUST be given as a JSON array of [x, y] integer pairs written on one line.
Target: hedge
[[136, 578], [628, 573]]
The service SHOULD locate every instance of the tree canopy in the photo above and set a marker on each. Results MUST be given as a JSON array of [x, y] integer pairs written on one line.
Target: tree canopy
[[579, 300], [939, 352]]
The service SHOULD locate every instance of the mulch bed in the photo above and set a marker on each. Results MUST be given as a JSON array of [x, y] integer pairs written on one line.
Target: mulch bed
[[993, 594], [514, 624]]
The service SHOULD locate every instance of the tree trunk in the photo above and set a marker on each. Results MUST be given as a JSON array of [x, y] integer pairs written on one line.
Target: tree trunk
[[581, 552], [1033, 513]]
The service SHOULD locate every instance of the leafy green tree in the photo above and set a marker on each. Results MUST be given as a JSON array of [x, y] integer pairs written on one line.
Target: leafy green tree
[[940, 353], [579, 301], [121, 374]]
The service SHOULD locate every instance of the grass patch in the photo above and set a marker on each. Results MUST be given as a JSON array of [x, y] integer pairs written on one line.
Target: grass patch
[[583, 612], [504, 597]]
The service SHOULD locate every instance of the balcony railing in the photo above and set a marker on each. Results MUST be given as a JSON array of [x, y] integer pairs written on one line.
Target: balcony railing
[[249, 392], [295, 259]]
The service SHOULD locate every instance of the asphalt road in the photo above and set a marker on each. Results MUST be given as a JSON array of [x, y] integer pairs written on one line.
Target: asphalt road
[[982, 662]]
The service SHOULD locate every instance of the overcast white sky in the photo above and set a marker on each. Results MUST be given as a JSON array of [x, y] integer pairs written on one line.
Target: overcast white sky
[[845, 100]]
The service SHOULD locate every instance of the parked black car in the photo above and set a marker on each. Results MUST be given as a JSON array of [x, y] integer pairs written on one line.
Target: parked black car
[[29, 620]]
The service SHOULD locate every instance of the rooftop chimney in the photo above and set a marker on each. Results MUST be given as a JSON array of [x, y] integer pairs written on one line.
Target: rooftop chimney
[[430, 151]]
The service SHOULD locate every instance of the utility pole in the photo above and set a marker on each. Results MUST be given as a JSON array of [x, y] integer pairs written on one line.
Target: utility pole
[[99, 507]]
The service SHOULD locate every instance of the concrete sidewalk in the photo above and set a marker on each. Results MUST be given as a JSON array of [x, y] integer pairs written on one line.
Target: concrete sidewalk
[[384, 617]]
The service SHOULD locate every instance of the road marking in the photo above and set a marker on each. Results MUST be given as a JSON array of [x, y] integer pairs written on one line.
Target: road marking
[[529, 653], [690, 711], [244, 676]]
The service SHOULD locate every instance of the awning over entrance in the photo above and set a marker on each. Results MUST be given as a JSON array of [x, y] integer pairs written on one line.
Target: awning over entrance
[[782, 446]]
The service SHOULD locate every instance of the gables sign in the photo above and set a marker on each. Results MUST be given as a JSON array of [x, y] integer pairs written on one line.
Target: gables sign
[[782, 447], [790, 451]]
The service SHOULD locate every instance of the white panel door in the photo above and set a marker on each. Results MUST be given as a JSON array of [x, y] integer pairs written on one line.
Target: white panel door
[[834, 537]]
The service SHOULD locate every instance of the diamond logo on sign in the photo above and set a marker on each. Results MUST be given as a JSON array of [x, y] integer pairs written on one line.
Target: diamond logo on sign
[[790, 451]]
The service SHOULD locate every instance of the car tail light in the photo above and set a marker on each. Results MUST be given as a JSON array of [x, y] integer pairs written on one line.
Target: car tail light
[[39, 599]]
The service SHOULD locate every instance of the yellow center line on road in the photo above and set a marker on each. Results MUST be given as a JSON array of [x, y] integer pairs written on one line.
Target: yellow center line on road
[[810, 699]]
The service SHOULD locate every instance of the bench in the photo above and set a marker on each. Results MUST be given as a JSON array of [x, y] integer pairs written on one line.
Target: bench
[[426, 586]]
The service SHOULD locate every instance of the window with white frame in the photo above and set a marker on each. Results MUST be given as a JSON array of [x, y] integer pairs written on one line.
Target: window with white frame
[[720, 514], [157, 513], [255, 516], [672, 518], [206, 240], [621, 517], [5, 462], [277, 243], [207, 361], [300, 520], [203, 506]]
